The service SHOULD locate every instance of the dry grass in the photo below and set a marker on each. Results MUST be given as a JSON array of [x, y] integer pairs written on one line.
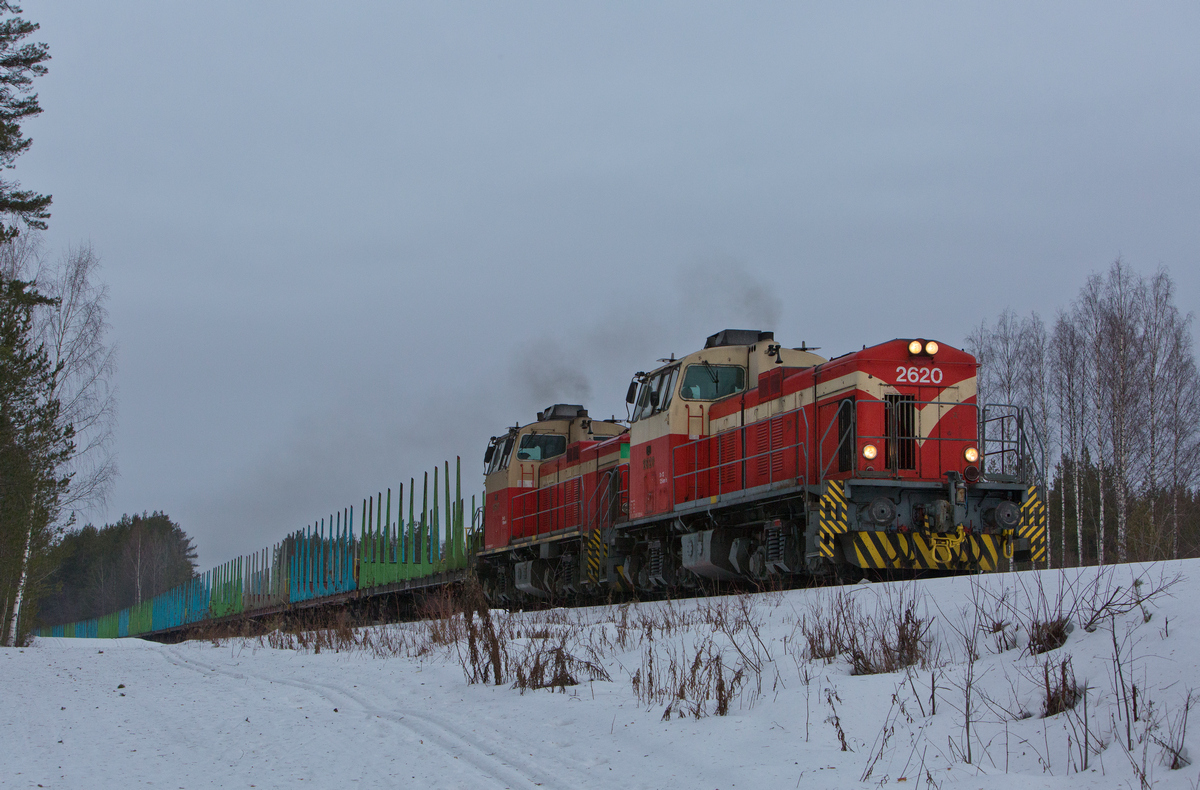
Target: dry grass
[[889, 637], [1048, 635]]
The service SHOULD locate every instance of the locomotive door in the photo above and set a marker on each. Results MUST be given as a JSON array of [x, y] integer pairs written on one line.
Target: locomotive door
[[650, 467], [836, 427]]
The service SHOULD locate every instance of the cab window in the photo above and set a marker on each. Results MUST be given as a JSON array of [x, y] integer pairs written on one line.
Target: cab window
[[540, 446], [656, 392], [501, 455], [710, 382]]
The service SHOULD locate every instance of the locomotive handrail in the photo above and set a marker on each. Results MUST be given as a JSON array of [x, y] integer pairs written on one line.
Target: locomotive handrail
[[691, 478], [892, 437], [567, 514], [538, 513], [1020, 457], [688, 483], [608, 498]]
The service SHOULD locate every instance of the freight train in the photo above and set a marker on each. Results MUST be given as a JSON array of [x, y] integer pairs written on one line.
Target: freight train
[[743, 462], [748, 460]]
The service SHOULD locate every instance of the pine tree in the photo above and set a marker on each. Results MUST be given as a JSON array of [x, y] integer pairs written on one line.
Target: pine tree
[[20, 62], [34, 446]]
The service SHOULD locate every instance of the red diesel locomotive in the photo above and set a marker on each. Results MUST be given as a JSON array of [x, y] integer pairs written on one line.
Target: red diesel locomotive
[[747, 460]]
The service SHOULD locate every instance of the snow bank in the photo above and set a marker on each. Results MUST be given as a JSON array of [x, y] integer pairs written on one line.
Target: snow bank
[[392, 705]]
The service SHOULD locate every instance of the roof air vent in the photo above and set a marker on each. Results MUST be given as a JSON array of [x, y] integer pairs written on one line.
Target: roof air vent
[[737, 337]]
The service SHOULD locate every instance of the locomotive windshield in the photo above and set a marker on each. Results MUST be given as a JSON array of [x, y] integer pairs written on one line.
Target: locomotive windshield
[[540, 446], [710, 382]]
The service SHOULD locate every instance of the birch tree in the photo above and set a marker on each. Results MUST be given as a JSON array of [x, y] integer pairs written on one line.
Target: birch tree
[[1070, 376], [74, 332], [1093, 324], [1183, 421], [1125, 371]]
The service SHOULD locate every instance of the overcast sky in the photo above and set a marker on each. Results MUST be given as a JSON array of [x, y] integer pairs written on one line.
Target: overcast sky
[[347, 241]]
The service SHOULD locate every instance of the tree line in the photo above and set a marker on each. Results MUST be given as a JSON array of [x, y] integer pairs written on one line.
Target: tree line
[[1111, 393], [104, 570]]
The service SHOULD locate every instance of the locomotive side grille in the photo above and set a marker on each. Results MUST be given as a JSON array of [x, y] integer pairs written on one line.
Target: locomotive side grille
[[846, 441], [574, 501], [761, 448], [901, 431], [777, 441], [727, 453]]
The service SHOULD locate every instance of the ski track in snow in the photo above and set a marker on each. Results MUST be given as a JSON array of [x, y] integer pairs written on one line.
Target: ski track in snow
[[511, 773], [243, 715]]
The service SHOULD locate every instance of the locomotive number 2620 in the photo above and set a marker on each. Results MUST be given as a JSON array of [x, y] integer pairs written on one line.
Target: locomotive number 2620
[[915, 375]]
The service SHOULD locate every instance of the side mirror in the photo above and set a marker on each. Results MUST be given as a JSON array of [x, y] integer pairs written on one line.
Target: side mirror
[[631, 395], [653, 400], [487, 455]]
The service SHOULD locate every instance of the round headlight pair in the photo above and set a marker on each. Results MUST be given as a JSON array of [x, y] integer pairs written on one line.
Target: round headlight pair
[[930, 347]]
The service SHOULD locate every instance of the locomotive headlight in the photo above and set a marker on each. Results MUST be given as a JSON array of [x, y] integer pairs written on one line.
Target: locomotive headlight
[[869, 452], [971, 454], [914, 347], [931, 347]]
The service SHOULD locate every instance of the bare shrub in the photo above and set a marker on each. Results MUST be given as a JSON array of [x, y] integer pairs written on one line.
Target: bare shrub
[[1102, 599], [695, 682], [281, 640], [740, 625], [1060, 692], [1174, 753], [892, 637], [485, 651], [824, 625], [897, 637], [831, 697], [997, 621], [442, 615], [341, 632], [1047, 635], [553, 668]]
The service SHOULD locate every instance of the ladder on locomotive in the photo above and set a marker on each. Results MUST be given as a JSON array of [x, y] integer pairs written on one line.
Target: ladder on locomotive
[[1010, 447], [601, 513]]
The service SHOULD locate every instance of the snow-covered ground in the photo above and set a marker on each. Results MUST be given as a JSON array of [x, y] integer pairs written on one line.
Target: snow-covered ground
[[394, 708]]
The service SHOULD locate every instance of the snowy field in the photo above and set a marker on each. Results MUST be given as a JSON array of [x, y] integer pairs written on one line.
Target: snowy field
[[763, 691]]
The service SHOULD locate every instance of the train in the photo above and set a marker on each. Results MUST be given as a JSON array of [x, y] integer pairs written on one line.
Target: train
[[751, 461], [743, 463]]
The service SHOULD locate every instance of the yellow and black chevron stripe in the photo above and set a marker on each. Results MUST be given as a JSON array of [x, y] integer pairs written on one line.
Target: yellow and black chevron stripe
[[917, 551], [1033, 524], [831, 517], [597, 556]]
